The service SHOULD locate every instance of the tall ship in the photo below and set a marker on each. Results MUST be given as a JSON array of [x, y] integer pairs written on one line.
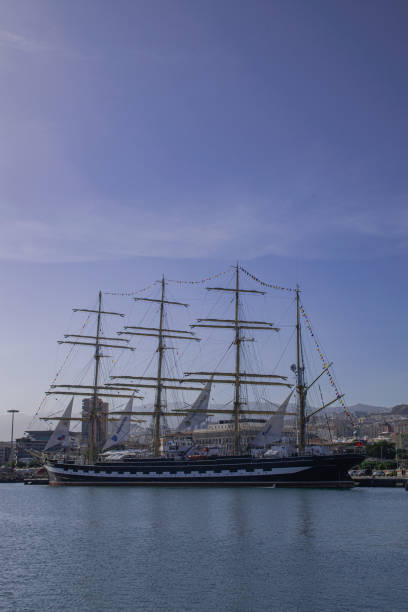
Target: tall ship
[[174, 454]]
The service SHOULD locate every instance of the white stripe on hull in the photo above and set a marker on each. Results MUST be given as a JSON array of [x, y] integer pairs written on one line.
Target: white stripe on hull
[[101, 474]]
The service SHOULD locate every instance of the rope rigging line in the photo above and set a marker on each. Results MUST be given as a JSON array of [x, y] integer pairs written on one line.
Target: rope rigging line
[[56, 376], [325, 363], [137, 343]]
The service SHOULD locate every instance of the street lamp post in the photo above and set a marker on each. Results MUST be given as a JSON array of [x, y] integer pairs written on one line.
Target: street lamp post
[[13, 412]]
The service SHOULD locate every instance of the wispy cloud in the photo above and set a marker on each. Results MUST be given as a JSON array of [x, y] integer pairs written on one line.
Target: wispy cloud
[[57, 116], [108, 230], [40, 47], [53, 214], [19, 42]]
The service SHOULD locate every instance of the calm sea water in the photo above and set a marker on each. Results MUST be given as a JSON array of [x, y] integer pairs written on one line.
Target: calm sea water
[[130, 549]]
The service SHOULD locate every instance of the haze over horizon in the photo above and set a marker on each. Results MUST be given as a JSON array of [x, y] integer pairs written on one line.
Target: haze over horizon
[[177, 137]]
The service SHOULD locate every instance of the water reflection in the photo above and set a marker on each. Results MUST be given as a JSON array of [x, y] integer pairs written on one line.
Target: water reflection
[[236, 550], [305, 524]]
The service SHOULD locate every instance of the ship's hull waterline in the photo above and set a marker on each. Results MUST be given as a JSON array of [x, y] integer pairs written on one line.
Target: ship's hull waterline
[[304, 471]]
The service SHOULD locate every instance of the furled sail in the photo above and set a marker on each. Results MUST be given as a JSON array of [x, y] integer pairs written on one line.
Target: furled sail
[[122, 431], [195, 419], [60, 436], [273, 429]]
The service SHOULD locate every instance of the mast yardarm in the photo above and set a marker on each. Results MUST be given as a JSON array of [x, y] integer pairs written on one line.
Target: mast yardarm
[[161, 333], [95, 389], [236, 378]]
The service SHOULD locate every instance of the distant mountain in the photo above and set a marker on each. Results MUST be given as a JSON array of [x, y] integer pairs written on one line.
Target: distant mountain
[[355, 408], [368, 408], [401, 409]]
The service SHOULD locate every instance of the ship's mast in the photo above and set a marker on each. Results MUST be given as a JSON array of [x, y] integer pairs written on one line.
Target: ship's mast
[[94, 407], [237, 378], [303, 387], [300, 383], [157, 382], [96, 390], [160, 350], [237, 396]]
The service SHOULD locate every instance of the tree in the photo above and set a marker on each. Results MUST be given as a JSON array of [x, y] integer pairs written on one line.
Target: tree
[[383, 449]]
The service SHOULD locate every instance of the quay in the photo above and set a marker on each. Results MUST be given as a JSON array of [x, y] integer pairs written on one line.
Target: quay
[[380, 481]]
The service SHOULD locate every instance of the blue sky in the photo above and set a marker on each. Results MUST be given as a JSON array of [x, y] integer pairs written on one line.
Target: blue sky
[[139, 138]]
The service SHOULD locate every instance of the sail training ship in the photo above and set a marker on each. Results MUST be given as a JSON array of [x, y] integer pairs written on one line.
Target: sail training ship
[[174, 458]]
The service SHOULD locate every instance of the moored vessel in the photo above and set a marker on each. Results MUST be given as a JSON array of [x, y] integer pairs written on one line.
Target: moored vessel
[[269, 459], [330, 471]]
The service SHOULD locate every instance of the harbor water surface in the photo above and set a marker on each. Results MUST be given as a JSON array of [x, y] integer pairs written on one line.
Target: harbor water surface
[[182, 549]]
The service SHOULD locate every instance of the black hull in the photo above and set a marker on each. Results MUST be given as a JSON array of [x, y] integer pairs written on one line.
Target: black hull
[[308, 471]]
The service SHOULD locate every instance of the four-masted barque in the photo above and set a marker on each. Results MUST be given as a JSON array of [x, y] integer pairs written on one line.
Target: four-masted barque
[[174, 459]]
